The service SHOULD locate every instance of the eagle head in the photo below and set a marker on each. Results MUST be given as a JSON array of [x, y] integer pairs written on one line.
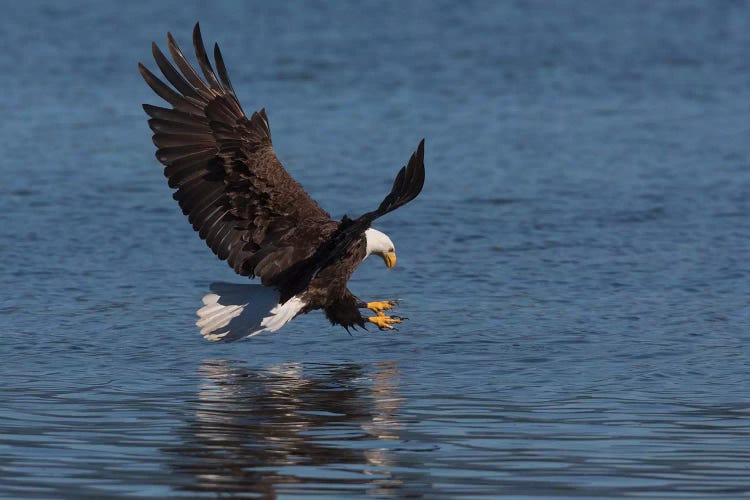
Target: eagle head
[[380, 244]]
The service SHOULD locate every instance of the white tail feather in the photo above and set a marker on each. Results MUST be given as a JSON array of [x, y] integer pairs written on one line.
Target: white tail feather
[[231, 312], [282, 314]]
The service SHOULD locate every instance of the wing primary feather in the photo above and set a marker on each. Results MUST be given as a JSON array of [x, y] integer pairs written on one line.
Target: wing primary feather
[[398, 183], [170, 127], [403, 195], [409, 175], [414, 174], [171, 154], [166, 140], [222, 69], [419, 179], [174, 115], [203, 62], [187, 69], [171, 74], [161, 88]]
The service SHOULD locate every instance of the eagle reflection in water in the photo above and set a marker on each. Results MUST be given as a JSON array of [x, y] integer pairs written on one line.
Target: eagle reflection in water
[[292, 427]]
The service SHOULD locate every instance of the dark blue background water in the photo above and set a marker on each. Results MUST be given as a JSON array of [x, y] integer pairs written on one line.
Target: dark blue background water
[[575, 271]]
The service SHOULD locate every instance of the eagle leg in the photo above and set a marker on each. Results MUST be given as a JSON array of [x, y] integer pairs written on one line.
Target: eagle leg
[[379, 307], [384, 322]]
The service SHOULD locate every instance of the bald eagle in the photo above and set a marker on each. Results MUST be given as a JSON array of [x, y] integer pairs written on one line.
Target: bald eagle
[[253, 214]]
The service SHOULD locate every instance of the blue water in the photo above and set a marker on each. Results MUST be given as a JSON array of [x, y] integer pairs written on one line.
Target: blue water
[[576, 271]]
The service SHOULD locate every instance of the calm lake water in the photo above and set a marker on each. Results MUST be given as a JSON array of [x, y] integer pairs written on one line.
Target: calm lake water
[[576, 271]]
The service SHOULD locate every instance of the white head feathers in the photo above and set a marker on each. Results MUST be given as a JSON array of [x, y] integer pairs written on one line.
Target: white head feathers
[[378, 243]]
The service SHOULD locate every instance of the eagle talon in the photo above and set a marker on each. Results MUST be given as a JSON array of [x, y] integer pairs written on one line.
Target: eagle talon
[[384, 322], [384, 305]]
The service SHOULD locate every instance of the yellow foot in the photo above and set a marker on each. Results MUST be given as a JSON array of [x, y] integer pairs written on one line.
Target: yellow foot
[[378, 307], [384, 322]]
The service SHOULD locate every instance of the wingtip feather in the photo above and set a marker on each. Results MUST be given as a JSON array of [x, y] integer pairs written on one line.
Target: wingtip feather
[[203, 62]]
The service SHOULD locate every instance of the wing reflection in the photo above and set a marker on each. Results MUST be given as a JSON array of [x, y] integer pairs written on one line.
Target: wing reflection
[[292, 427]]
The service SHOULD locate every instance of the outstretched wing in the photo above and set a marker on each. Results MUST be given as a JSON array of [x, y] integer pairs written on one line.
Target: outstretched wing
[[407, 186], [229, 182]]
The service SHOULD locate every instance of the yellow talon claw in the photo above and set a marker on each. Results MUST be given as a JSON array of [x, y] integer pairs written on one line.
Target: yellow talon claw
[[384, 322], [378, 307]]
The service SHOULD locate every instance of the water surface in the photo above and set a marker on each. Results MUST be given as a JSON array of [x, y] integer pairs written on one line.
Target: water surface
[[575, 271]]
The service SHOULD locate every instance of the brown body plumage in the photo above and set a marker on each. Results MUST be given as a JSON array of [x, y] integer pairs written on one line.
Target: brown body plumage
[[243, 203]]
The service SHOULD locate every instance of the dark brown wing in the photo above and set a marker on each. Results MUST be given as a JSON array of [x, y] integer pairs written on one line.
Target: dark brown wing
[[407, 186], [229, 182]]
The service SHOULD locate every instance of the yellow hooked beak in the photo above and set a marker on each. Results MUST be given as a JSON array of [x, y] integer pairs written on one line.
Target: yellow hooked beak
[[390, 259]]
